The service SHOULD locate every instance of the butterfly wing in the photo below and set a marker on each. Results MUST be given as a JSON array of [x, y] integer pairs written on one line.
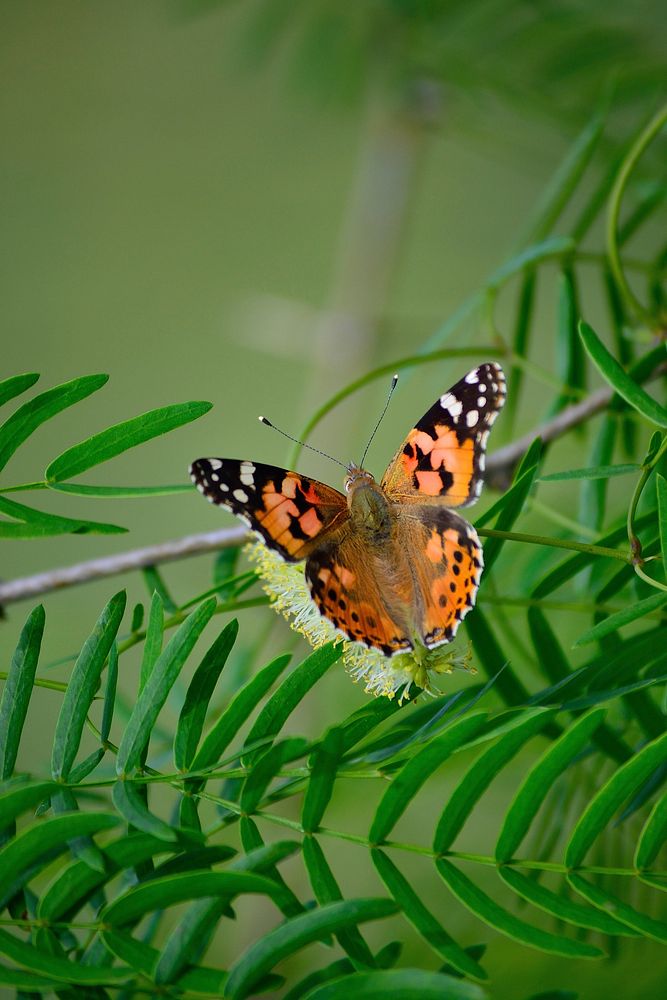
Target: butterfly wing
[[291, 513], [348, 582], [442, 459], [445, 566]]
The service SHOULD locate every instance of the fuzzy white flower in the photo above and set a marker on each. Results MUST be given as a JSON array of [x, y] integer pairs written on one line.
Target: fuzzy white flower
[[285, 583]]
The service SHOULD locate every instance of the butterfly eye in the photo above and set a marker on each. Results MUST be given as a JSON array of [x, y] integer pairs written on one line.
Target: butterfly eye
[[347, 484]]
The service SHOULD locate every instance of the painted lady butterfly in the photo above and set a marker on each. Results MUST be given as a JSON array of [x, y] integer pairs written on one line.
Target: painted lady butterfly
[[391, 565]]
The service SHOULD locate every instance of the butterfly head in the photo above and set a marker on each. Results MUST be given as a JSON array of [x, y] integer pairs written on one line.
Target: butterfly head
[[357, 478]]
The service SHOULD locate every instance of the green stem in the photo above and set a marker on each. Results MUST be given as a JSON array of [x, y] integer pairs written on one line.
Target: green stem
[[556, 543], [643, 140]]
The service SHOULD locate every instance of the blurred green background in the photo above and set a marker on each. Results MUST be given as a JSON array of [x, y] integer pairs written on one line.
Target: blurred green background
[[254, 203]]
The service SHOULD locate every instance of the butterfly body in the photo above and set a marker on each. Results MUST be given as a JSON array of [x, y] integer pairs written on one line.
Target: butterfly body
[[390, 564]]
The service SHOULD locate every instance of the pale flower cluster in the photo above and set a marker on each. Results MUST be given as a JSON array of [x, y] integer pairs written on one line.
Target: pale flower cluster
[[285, 583]]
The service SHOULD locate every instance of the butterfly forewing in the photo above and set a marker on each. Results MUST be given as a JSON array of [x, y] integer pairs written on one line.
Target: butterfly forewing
[[291, 513], [443, 456]]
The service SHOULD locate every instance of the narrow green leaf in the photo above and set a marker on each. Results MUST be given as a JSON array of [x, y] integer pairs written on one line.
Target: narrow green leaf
[[326, 891], [109, 695], [201, 981], [408, 984], [26, 982], [593, 472], [483, 906], [289, 937], [523, 481], [132, 806], [87, 766], [291, 692], [593, 492], [41, 408], [258, 856], [619, 379], [54, 523], [622, 784], [198, 696], [189, 939], [661, 490], [15, 385], [236, 713], [153, 640], [539, 781], [415, 772], [620, 618], [653, 835], [554, 247], [18, 689], [548, 650], [522, 326], [570, 365], [60, 969], [22, 796], [493, 661], [119, 492], [323, 769], [155, 584], [266, 767], [82, 687], [119, 438], [154, 694], [305, 986], [479, 776], [609, 903], [82, 846], [16, 530], [37, 844], [159, 893], [559, 906], [423, 920]]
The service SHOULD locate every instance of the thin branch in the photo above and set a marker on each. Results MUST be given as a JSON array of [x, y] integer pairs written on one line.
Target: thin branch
[[97, 569]]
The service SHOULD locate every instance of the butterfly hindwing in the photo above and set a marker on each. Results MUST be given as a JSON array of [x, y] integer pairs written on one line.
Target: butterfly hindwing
[[443, 456], [291, 513]]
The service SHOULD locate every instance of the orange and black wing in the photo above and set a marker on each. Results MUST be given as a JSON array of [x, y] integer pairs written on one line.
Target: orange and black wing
[[443, 456], [291, 513]]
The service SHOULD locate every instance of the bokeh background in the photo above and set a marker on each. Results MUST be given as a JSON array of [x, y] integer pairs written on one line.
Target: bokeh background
[[254, 203]]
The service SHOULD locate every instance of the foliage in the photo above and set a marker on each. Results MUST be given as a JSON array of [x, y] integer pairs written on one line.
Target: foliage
[[96, 854]]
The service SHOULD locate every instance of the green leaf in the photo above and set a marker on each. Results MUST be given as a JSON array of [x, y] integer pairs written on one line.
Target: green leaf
[[523, 481], [548, 650], [119, 438], [661, 490], [15, 385], [201, 981], [153, 639], [130, 803], [53, 523], [119, 492], [266, 767], [539, 781], [415, 772], [289, 937], [621, 618], [60, 969], [41, 408], [423, 920], [198, 696], [236, 713], [35, 846], [608, 799], [159, 893], [26, 981], [493, 661], [524, 316], [341, 967], [189, 939], [18, 689], [23, 796], [87, 766], [261, 857], [559, 906], [154, 694], [408, 984], [323, 769], [593, 472], [326, 891], [609, 903], [619, 379], [556, 246], [653, 835], [291, 692], [479, 903], [479, 776], [109, 695], [82, 687]]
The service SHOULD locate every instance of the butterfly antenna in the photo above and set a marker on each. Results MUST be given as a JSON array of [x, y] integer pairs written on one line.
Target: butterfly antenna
[[265, 420], [375, 429]]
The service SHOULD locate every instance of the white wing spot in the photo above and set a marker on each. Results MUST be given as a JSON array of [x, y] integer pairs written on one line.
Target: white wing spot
[[472, 377], [247, 468], [200, 487], [481, 401], [215, 478], [224, 487], [472, 417], [215, 463], [240, 495], [248, 480], [482, 387], [482, 462], [452, 405]]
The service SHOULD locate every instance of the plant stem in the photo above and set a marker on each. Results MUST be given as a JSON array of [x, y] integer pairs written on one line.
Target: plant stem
[[557, 543]]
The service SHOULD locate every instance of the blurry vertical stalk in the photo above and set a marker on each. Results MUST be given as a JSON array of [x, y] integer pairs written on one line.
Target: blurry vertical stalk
[[372, 235]]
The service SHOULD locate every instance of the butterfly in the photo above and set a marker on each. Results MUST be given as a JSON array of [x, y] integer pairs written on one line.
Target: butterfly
[[390, 564]]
